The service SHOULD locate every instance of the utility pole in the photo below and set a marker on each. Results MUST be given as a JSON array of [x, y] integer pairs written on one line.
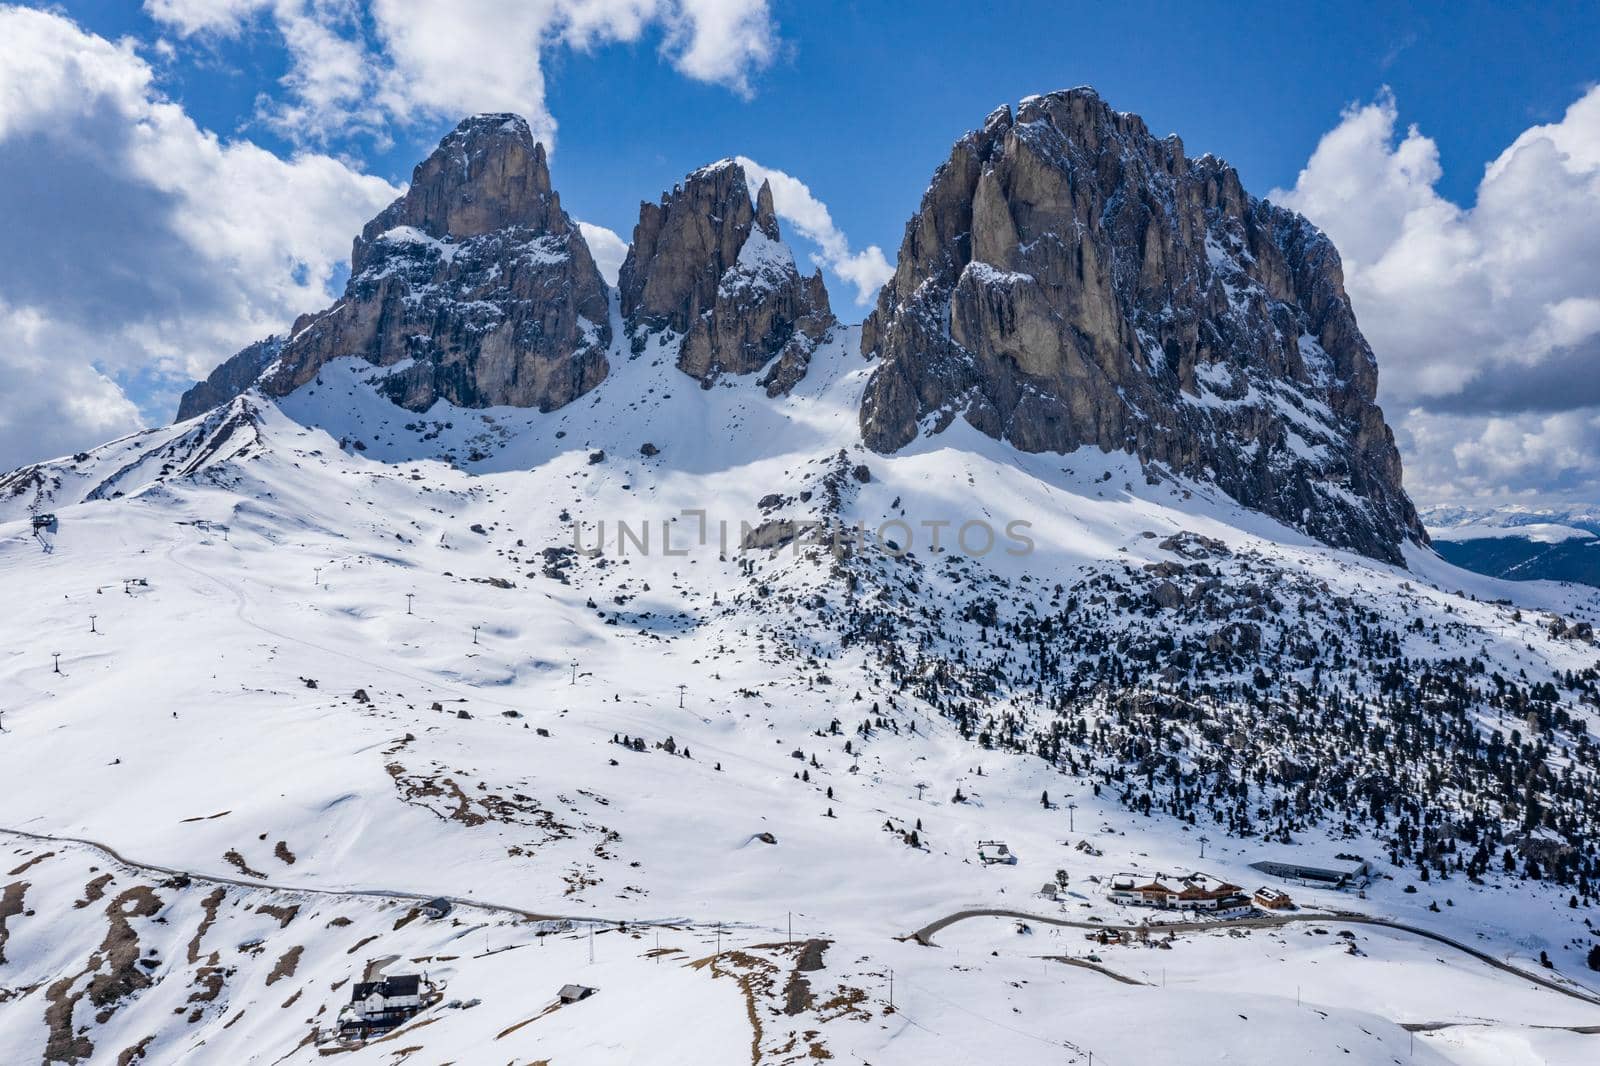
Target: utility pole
[[591, 945], [475, 633], [1204, 840], [409, 597], [574, 671], [1070, 808], [58, 660], [316, 575], [891, 989], [92, 629], [681, 688]]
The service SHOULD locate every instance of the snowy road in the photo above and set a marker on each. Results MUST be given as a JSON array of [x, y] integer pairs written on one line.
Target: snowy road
[[371, 893], [925, 935]]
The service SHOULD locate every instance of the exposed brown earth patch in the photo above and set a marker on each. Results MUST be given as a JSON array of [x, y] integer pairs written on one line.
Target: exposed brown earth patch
[[285, 966], [11, 905], [113, 975], [237, 862], [25, 867], [285, 915], [209, 905], [129, 1055], [93, 891]]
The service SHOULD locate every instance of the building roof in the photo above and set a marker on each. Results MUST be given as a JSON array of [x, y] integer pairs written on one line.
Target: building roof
[[388, 988], [1322, 869]]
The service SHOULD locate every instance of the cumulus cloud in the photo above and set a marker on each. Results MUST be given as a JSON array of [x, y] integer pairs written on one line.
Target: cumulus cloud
[[1535, 457], [53, 406], [867, 269], [1486, 319], [204, 16], [357, 64], [722, 41], [149, 248], [608, 249]]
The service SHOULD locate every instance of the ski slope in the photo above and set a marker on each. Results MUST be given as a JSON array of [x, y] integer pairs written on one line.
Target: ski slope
[[328, 658]]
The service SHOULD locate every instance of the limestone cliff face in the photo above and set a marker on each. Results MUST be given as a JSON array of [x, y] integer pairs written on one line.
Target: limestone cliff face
[[235, 374], [475, 286], [1072, 280], [710, 266]]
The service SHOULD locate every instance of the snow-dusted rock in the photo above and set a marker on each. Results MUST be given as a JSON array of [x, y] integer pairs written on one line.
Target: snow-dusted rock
[[710, 266], [476, 280], [1072, 280], [232, 377]]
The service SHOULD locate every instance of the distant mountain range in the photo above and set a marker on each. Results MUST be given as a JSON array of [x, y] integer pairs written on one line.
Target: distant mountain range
[[1520, 543]]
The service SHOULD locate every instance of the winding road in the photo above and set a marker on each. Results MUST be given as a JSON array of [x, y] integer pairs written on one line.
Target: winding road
[[369, 893], [924, 936]]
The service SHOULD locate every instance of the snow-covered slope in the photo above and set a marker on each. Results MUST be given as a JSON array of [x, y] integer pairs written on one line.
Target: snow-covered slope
[[321, 658]]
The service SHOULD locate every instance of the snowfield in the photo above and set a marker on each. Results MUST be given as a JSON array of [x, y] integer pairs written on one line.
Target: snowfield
[[323, 659]]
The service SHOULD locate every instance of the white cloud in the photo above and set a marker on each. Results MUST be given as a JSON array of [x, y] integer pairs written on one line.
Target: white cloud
[[53, 406], [1457, 458], [867, 270], [153, 249], [1485, 319], [327, 84], [721, 41], [1444, 292], [204, 16], [355, 64], [608, 249]]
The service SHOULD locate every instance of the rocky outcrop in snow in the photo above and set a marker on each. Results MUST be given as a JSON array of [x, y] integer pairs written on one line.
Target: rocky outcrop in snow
[[710, 265], [1072, 280], [475, 286], [236, 374]]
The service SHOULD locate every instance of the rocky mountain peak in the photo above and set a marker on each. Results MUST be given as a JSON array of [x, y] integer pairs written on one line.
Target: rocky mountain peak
[[1072, 280], [708, 269], [475, 286], [487, 174]]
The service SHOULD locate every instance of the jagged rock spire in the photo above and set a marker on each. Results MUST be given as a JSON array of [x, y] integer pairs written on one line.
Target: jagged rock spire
[[709, 265]]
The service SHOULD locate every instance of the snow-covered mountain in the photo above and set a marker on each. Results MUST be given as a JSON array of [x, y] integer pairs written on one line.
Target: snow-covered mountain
[[1521, 543], [609, 628], [1070, 280]]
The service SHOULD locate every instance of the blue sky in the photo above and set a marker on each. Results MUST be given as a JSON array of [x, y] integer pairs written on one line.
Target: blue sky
[[279, 124], [863, 101]]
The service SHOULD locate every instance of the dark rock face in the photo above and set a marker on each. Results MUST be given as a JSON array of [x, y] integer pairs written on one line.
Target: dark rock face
[[475, 285], [1071, 280], [234, 376], [709, 265]]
